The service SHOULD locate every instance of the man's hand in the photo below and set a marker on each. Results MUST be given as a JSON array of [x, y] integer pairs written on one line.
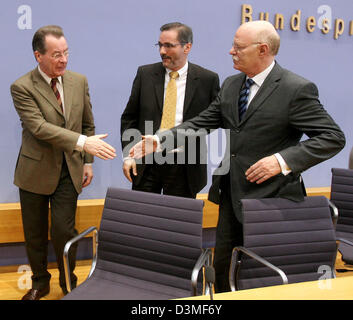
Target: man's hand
[[96, 146], [87, 175], [127, 166], [263, 169], [146, 146]]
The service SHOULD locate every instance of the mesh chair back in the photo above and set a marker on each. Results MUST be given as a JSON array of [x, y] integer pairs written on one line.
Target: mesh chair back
[[342, 197], [297, 237], [150, 237]]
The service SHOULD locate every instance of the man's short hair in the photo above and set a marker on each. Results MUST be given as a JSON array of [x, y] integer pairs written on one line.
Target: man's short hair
[[38, 42], [184, 32]]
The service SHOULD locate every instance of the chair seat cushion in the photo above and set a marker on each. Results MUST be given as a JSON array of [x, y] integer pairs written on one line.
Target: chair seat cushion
[[105, 285], [345, 249]]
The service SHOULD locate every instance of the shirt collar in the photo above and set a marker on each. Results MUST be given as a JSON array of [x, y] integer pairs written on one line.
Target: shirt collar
[[181, 71], [48, 79], [260, 77]]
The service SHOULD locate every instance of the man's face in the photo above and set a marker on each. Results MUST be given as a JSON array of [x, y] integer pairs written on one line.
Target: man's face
[[54, 61], [173, 53], [244, 52]]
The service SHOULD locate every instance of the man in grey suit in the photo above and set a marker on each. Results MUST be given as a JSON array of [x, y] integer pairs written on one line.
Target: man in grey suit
[[196, 87], [56, 155], [266, 118]]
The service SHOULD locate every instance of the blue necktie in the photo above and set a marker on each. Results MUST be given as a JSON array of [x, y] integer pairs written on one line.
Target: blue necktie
[[243, 97]]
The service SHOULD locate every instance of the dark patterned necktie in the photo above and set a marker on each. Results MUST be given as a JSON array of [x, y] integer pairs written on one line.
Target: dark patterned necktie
[[243, 97], [56, 92]]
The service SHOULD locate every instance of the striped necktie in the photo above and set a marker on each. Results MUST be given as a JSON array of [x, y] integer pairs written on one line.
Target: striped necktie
[[169, 107], [56, 92], [243, 97]]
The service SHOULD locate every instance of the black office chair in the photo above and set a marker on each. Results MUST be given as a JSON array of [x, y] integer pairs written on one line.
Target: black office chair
[[149, 247], [342, 197], [284, 242]]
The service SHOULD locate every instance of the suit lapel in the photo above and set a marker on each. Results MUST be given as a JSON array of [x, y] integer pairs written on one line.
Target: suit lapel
[[44, 89], [158, 79], [68, 93], [191, 85], [269, 85], [235, 97]]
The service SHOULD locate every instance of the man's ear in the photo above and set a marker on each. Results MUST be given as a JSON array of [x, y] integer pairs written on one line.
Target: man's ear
[[187, 47], [263, 48], [37, 56]]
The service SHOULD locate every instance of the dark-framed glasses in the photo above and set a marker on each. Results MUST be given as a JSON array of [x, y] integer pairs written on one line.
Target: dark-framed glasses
[[167, 45]]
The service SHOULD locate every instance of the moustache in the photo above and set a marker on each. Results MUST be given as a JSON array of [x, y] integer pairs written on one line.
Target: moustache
[[164, 56]]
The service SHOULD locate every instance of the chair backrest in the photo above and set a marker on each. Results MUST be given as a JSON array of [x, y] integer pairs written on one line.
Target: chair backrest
[[342, 197], [150, 237], [297, 237]]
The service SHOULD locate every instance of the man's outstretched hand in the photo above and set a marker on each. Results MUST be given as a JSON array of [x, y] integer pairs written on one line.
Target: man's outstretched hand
[[146, 146], [96, 146]]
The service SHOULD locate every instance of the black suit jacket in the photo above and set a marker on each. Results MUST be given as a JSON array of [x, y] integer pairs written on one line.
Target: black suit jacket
[[285, 107], [146, 105]]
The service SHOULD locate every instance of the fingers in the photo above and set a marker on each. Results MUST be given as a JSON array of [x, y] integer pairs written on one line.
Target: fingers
[[96, 146], [86, 181], [128, 166], [105, 152], [146, 146], [263, 170], [87, 175]]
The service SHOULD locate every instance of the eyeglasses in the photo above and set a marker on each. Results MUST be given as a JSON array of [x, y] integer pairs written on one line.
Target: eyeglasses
[[59, 55], [168, 45], [240, 48]]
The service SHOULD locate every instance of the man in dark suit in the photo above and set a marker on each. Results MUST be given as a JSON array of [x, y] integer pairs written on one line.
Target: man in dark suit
[[54, 162], [196, 88], [265, 119]]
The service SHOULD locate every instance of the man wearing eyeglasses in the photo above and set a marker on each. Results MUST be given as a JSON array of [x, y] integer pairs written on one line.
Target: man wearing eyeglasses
[[54, 162], [148, 110], [266, 110]]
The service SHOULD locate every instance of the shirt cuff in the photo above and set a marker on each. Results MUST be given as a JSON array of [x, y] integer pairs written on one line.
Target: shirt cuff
[[80, 142], [284, 167], [156, 138]]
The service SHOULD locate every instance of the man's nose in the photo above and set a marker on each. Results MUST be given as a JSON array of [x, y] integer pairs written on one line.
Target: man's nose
[[162, 50]]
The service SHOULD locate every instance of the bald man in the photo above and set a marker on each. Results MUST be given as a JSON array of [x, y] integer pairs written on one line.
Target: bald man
[[266, 155]]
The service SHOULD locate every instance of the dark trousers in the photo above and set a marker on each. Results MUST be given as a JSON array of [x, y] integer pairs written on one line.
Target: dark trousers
[[229, 234], [35, 209], [169, 179]]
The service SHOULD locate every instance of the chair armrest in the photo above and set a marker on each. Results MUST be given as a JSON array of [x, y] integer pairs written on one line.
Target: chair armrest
[[66, 254], [204, 259], [345, 241], [252, 255], [334, 211]]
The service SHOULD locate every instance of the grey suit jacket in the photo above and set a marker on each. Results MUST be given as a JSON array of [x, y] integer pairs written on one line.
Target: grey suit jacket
[[146, 105], [285, 107], [48, 136]]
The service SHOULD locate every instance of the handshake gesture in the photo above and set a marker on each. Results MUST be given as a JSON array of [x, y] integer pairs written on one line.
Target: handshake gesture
[[95, 146], [147, 145]]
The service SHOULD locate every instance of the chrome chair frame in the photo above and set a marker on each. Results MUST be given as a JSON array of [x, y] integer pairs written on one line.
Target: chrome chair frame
[[94, 254]]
